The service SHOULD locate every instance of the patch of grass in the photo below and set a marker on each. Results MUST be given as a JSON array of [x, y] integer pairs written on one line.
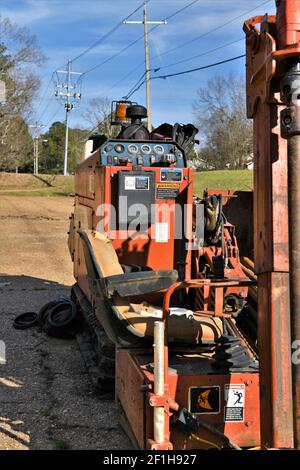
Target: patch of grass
[[27, 185], [41, 185], [61, 445], [238, 180]]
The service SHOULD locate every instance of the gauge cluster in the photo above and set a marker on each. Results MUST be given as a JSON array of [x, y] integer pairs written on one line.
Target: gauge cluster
[[114, 153]]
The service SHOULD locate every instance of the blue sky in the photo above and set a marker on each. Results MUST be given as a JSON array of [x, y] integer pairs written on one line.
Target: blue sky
[[64, 28]]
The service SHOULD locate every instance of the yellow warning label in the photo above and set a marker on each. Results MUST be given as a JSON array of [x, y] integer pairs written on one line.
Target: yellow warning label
[[168, 185]]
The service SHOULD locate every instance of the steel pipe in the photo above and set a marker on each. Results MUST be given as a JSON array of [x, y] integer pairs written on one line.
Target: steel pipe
[[159, 382], [294, 254]]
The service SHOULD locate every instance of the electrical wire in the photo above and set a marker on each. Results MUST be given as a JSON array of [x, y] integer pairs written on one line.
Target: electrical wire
[[192, 40], [181, 10], [203, 441], [156, 69], [89, 132], [45, 93], [45, 109], [124, 78], [183, 72], [117, 54], [163, 77], [90, 48], [109, 33], [134, 86], [211, 31], [200, 68], [223, 46], [53, 116]]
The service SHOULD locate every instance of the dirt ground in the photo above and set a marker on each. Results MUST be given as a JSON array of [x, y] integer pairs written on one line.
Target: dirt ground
[[46, 398]]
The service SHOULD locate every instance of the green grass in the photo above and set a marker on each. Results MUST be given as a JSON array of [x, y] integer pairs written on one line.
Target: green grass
[[238, 180], [39, 192], [27, 185], [62, 445]]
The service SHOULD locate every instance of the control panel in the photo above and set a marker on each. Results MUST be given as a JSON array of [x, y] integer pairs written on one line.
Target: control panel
[[146, 153]]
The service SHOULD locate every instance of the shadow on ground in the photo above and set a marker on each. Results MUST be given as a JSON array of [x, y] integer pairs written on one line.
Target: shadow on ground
[[46, 398]]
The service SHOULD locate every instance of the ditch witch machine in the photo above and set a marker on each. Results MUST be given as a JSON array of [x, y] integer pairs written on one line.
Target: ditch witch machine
[[174, 312]]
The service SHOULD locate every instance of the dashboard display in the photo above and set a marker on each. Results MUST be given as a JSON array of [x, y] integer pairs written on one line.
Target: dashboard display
[[146, 149], [144, 153], [133, 148], [109, 148], [159, 149], [119, 148]]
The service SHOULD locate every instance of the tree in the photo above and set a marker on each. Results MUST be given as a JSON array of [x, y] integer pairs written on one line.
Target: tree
[[52, 152], [98, 116], [225, 131], [19, 55]]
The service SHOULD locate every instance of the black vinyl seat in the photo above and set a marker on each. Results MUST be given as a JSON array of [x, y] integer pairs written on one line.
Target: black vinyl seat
[[134, 268], [137, 283]]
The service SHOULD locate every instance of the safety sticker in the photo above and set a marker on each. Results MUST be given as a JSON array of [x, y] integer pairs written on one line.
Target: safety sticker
[[204, 400], [129, 183], [170, 175], [234, 403], [162, 232], [136, 183], [167, 190]]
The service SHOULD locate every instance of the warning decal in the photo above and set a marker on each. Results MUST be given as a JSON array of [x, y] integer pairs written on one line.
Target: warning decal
[[204, 400], [234, 403], [167, 191], [133, 183]]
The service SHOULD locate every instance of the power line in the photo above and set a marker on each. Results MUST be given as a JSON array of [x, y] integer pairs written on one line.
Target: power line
[[164, 77], [124, 78], [117, 54], [109, 33], [89, 132], [53, 116], [45, 93], [89, 49], [199, 55], [183, 72], [126, 97], [182, 9], [36, 138], [145, 22], [113, 56], [141, 37], [69, 91], [45, 109], [200, 68], [196, 38]]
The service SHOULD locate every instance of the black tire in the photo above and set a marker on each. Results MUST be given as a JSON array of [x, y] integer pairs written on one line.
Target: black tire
[[25, 320]]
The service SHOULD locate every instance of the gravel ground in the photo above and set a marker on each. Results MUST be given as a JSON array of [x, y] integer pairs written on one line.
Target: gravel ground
[[46, 398]]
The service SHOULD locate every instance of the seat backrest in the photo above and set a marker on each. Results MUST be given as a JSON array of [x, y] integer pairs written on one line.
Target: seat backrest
[[103, 260]]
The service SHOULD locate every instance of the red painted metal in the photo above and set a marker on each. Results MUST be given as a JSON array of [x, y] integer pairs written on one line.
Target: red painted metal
[[271, 44], [245, 434], [288, 22]]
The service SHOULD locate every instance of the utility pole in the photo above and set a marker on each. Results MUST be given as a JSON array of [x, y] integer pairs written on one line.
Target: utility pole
[[36, 139], [69, 91], [145, 22]]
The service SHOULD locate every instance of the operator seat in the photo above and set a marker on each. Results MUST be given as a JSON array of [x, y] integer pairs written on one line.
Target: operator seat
[[116, 289]]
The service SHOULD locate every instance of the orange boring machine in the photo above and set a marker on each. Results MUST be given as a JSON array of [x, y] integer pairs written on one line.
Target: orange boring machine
[[198, 347]]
